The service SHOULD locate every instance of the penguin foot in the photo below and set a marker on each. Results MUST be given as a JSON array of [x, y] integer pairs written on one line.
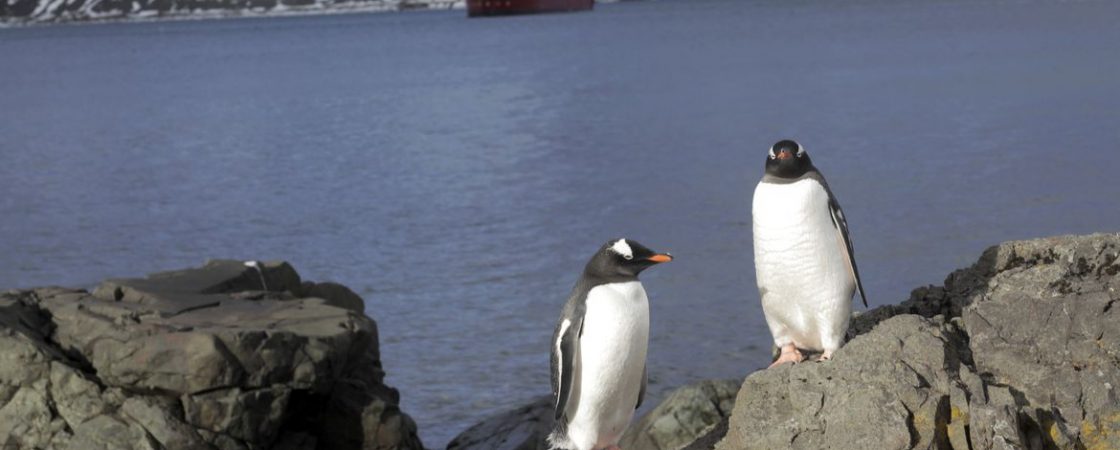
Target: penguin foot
[[827, 355], [790, 354]]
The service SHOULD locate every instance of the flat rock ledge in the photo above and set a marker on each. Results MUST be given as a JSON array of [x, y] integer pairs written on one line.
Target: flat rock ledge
[[226, 356], [1019, 351]]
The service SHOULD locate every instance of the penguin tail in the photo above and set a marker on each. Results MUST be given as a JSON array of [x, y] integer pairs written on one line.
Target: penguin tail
[[559, 440]]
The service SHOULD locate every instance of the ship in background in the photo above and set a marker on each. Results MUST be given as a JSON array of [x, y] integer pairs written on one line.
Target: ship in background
[[476, 8]]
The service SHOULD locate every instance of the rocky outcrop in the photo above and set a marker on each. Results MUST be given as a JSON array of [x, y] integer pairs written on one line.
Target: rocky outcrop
[[683, 416], [686, 414], [1019, 351], [30, 11], [227, 356]]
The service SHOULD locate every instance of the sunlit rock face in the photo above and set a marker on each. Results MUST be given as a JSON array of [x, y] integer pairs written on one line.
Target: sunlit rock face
[[226, 356]]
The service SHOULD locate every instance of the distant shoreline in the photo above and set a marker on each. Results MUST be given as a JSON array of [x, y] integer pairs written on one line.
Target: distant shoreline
[[80, 17]]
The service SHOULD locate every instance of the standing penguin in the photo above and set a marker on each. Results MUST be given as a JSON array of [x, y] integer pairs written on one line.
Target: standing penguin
[[803, 258], [599, 348]]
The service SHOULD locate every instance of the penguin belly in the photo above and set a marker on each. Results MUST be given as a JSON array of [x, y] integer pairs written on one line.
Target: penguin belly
[[612, 352], [803, 278]]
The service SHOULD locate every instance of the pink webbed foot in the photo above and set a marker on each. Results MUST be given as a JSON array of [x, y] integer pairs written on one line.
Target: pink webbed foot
[[790, 354], [827, 355]]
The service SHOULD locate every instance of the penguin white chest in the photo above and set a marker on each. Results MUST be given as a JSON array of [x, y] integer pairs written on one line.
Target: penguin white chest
[[612, 357], [801, 269]]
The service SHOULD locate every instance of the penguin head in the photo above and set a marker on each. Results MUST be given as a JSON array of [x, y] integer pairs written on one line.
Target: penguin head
[[788, 159], [623, 258]]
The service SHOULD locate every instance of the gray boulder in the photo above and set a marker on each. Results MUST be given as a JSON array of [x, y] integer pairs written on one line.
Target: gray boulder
[[222, 356], [1019, 351], [686, 414]]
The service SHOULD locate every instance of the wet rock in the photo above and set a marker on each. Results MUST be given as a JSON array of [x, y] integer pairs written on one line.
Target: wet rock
[[1021, 350], [228, 355]]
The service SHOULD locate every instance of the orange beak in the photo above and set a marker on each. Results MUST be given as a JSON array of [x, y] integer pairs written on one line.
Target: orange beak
[[785, 154], [661, 258]]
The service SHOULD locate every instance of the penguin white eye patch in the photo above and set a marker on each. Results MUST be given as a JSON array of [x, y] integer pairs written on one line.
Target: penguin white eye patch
[[800, 151], [622, 248]]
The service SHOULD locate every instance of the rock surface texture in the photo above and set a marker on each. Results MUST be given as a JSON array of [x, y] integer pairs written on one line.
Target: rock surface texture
[[224, 356], [1019, 351], [684, 415]]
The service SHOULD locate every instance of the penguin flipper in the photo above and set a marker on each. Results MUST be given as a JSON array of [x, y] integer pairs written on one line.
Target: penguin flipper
[[845, 242], [565, 361], [642, 390]]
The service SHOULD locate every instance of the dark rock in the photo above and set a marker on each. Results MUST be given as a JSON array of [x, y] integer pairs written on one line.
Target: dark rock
[[709, 439], [252, 415], [523, 428], [335, 295], [224, 356], [1021, 350], [686, 414]]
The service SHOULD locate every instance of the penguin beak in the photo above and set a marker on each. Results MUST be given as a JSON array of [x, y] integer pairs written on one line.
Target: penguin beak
[[660, 258], [785, 154]]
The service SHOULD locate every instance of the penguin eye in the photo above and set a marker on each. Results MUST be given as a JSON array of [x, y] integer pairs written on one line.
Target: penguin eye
[[628, 257], [772, 155], [800, 151]]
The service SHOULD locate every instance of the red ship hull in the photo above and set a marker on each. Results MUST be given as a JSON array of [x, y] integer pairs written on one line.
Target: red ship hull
[[503, 7]]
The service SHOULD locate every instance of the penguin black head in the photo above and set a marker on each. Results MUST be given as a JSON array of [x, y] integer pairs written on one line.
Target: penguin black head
[[788, 159], [623, 258]]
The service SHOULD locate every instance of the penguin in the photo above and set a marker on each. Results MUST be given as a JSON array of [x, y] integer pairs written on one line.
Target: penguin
[[599, 349], [803, 257]]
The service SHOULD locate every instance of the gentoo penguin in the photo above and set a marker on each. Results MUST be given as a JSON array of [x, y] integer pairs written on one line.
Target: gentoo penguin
[[803, 257], [599, 348]]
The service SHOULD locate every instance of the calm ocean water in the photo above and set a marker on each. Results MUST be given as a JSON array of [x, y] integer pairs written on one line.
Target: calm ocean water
[[458, 173]]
